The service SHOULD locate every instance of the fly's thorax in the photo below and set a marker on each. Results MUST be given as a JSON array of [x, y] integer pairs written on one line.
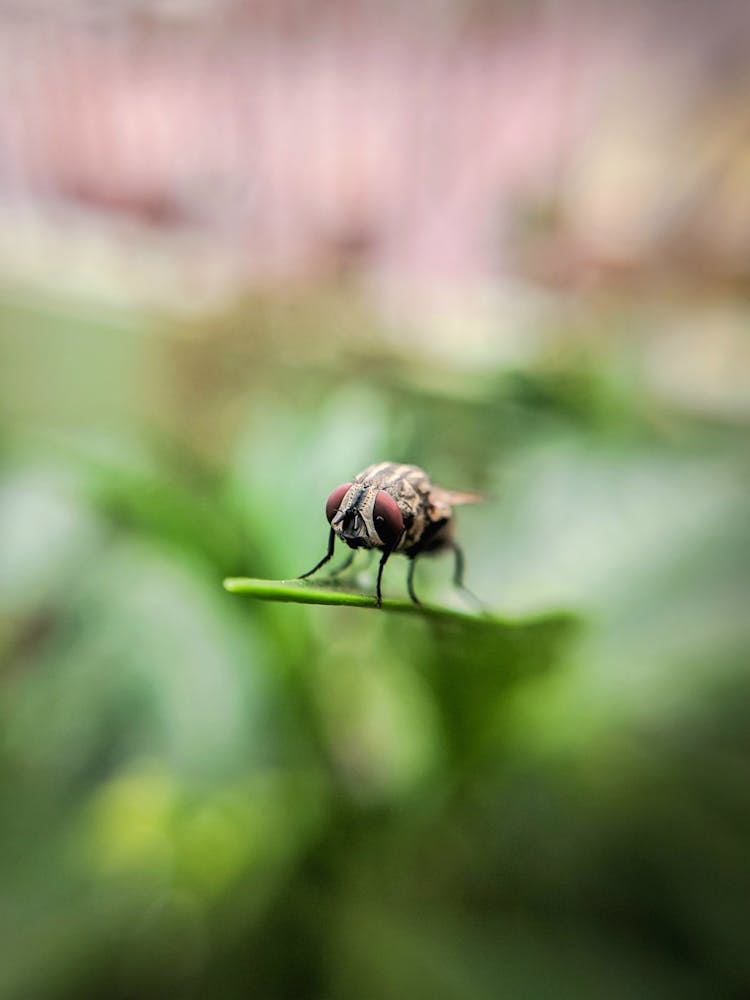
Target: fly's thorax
[[410, 488], [395, 478]]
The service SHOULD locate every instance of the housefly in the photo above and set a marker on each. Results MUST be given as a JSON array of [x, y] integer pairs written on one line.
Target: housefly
[[394, 508]]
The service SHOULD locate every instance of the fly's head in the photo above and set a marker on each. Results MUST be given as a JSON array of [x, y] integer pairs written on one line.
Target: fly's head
[[365, 517]]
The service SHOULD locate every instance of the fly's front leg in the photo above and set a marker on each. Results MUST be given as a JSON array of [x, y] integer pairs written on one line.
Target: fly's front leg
[[324, 560], [383, 560]]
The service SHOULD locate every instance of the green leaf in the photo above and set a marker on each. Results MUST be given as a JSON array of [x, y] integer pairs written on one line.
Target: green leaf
[[470, 661], [301, 592]]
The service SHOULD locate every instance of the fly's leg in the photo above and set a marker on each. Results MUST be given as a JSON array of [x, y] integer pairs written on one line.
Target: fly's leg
[[344, 565], [324, 560], [459, 566], [381, 564], [410, 580], [458, 575]]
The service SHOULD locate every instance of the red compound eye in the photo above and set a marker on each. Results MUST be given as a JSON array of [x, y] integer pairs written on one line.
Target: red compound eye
[[334, 500], [389, 522]]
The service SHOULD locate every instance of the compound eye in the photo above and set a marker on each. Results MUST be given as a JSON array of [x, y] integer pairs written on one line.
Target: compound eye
[[334, 500], [389, 521]]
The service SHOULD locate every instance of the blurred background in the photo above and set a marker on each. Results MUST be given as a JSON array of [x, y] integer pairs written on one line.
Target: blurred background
[[248, 248]]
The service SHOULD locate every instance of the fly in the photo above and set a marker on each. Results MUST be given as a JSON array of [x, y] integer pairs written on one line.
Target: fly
[[394, 508]]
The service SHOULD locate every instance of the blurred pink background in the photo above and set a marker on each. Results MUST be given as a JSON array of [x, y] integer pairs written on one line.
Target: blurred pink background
[[420, 143]]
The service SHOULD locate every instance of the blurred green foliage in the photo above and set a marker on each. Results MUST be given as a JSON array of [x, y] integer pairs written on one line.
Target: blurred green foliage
[[201, 795]]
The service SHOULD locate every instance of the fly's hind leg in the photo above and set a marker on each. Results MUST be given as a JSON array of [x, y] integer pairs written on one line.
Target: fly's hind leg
[[410, 580], [459, 566]]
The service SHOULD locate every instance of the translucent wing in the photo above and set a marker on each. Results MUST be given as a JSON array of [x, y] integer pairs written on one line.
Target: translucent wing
[[442, 500], [455, 497]]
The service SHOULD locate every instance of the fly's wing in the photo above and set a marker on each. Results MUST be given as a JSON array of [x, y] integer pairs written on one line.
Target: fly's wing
[[442, 500], [456, 497]]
